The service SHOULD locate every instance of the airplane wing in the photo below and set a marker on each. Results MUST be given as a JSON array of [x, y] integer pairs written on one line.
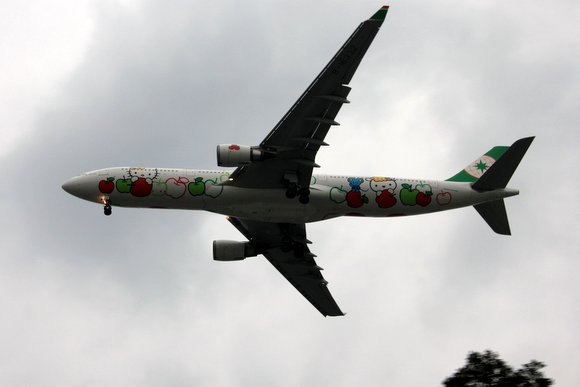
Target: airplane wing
[[290, 150], [285, 246], [293, 143]]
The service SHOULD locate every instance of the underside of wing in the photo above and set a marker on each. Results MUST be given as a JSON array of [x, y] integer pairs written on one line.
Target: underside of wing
[[285, 246], [290, 148]]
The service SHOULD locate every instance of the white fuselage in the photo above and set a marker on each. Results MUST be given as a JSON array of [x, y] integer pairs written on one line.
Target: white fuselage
[[330, 195]]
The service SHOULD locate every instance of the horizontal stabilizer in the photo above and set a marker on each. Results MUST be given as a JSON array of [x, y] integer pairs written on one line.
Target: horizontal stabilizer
[[499, 174], [495, 215]]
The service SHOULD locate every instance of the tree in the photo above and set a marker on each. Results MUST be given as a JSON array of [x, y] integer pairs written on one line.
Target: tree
[[487, 369]]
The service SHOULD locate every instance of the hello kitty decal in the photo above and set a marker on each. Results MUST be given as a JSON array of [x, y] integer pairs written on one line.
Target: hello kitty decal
[[354, 197], [384, 187], [142, 181]]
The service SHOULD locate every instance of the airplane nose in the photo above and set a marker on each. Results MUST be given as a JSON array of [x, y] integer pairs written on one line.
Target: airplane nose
[[83, 187], [71, 186]]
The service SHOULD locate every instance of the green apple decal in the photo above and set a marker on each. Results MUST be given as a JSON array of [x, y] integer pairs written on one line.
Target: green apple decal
[[124, 185], [425, 188], [196, 187], [337, 195], [159, 188], [213, 189], [408, 195], [223, 178]]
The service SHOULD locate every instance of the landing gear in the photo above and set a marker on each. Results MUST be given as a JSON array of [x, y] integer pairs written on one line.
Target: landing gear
[[304, 196], [290, 181], [291, 191], [108, 209]]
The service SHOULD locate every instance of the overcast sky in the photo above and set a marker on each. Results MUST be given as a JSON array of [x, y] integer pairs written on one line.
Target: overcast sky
[[135, 299]]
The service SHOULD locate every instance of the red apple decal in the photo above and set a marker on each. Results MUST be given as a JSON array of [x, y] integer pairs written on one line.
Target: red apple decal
[[141, 187], [425, 188], [386, 199], [234, 147], [423, 199], [443, 198], [176, 188], [356, 199], [107, 186]]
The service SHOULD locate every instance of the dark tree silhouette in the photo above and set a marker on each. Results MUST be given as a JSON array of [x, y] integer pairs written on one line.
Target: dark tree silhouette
[[487, 369]]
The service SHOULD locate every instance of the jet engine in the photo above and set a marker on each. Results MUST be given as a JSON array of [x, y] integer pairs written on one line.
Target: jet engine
[[232, 250], [232, 155]]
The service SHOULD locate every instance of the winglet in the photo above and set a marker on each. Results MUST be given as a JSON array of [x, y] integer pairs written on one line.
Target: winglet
[[380, 14]]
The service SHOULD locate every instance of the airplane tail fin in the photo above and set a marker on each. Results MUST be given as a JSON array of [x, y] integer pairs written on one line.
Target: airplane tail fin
[[492, 171], [472, 172], [495, 168]]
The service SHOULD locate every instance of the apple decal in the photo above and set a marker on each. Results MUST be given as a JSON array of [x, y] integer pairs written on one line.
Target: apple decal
[[337, 195], [425, 188], [443, 198], [107, 186], [159, 188], [124, 185], [142, 180], [424, 195], [354, 199], [386, 199], [384, 187], [212, 188], [423, 199], [141, 187], [176, 188], [408, 195], [196, 187]]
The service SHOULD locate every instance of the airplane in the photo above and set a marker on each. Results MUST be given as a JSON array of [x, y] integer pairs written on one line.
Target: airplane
[[272, 192]]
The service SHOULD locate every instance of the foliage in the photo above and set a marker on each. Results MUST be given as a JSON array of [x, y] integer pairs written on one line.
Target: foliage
[[487, 369]]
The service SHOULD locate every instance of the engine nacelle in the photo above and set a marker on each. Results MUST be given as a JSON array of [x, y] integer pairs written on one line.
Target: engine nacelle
[[232, 155], [232, 250]]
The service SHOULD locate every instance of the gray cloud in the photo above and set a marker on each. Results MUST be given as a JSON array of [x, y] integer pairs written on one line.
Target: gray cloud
[[135, 299]]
